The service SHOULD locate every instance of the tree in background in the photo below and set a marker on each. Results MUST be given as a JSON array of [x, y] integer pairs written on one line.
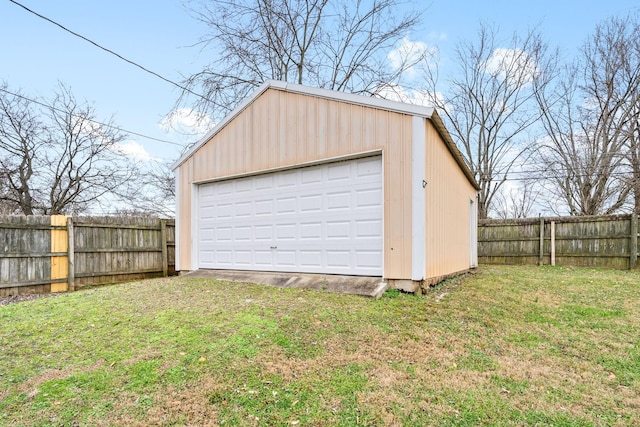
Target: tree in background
[[21, 136], [333, 44], [591, 117], [516, 202], [489, 103], [153, 194], [54, 157], [630, 27]]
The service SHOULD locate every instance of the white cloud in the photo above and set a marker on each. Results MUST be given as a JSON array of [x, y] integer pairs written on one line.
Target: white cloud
[[409, 52], [395, 92], [132, 149], [186, 121], [441, 36], [511, 62]]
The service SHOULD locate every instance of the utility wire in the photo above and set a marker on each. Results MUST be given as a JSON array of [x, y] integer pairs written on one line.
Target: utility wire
[[91, 120], [135, 64]]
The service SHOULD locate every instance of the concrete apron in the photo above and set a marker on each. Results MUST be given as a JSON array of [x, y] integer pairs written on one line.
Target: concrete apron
[[372, 287]]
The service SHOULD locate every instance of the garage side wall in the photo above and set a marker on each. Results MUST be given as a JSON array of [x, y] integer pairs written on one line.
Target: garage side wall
[[448, 210], [282, 129]]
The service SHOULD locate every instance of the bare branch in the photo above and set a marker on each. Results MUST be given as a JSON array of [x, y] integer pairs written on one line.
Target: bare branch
[[335, 44], [490, 103]]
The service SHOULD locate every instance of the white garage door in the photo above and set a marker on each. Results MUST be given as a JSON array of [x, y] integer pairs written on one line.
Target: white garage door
[[318, 219]]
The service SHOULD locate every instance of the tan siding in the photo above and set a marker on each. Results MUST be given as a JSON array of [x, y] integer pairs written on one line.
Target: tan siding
[[282, 129], [447, 210], [398, 205]]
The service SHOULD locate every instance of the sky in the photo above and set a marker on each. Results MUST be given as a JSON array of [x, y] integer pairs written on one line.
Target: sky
[[160, 35]]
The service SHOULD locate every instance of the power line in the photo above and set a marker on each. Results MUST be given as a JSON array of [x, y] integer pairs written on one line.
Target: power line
[[135, 64], [91, 120]]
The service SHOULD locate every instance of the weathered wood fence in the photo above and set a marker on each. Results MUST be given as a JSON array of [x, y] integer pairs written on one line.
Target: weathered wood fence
[[589, 241], [40, 254]]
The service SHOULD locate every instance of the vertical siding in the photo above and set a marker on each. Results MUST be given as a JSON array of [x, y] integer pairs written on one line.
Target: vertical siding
[[283, 129], [447, 210]]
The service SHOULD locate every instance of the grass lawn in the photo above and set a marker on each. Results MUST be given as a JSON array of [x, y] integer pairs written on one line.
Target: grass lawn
[[544, 346]]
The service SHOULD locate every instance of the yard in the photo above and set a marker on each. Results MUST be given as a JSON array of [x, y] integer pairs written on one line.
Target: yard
[[505, 346]]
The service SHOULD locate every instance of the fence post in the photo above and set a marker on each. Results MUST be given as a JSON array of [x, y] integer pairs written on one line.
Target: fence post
[[71, 275], [553, 243], [165, 256], [541, 254], [633, 242]]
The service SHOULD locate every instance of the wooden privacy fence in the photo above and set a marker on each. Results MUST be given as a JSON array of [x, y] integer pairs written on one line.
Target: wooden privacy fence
[[40, 254], [588, 241]]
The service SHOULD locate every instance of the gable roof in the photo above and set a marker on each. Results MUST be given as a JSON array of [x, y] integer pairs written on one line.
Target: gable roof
[[349, 98]]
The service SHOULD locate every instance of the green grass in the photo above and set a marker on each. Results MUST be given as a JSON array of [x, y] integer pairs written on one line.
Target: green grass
[[543, 346]]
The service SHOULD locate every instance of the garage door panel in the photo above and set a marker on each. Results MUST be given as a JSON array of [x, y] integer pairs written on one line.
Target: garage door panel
[[311, 258], [285, 232], [311, 231], [263, 258], [243, 209], [287, 179], [311, 175], [263, 182], [263, 207], [338, 258], [338, 230], [368, 259], [339, 172], [319, 219], [368, 197], [286, 205], [285, 258], [242, 257], [243, 233], [311, 203], [243, 185], [338, 200], [225, 187], [371, 228]]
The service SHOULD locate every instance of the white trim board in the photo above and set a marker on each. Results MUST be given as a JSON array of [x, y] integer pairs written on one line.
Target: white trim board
[[418, 199]]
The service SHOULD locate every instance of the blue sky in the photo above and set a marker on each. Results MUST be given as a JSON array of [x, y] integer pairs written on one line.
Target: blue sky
[[35, 55]]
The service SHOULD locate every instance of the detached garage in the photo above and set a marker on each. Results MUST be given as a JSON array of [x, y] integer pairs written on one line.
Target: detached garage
[[305, 180]]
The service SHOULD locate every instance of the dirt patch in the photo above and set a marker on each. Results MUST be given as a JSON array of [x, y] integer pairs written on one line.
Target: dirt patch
[[31, 385], [21, 298], [189, 407]]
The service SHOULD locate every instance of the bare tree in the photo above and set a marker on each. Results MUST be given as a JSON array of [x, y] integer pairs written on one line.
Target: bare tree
[[630, 37], [334, 44], [21, 137], [153, 194], [634, 151], [589, 117], [7, 206], [55, 157], [489, 104], [516, 202], [82, 160]]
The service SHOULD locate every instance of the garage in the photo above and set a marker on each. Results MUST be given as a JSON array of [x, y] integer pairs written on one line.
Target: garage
[[299, 179], [325, 218]]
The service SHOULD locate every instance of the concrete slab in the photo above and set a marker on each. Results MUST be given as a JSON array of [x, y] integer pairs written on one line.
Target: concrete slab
[[372, 287]]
